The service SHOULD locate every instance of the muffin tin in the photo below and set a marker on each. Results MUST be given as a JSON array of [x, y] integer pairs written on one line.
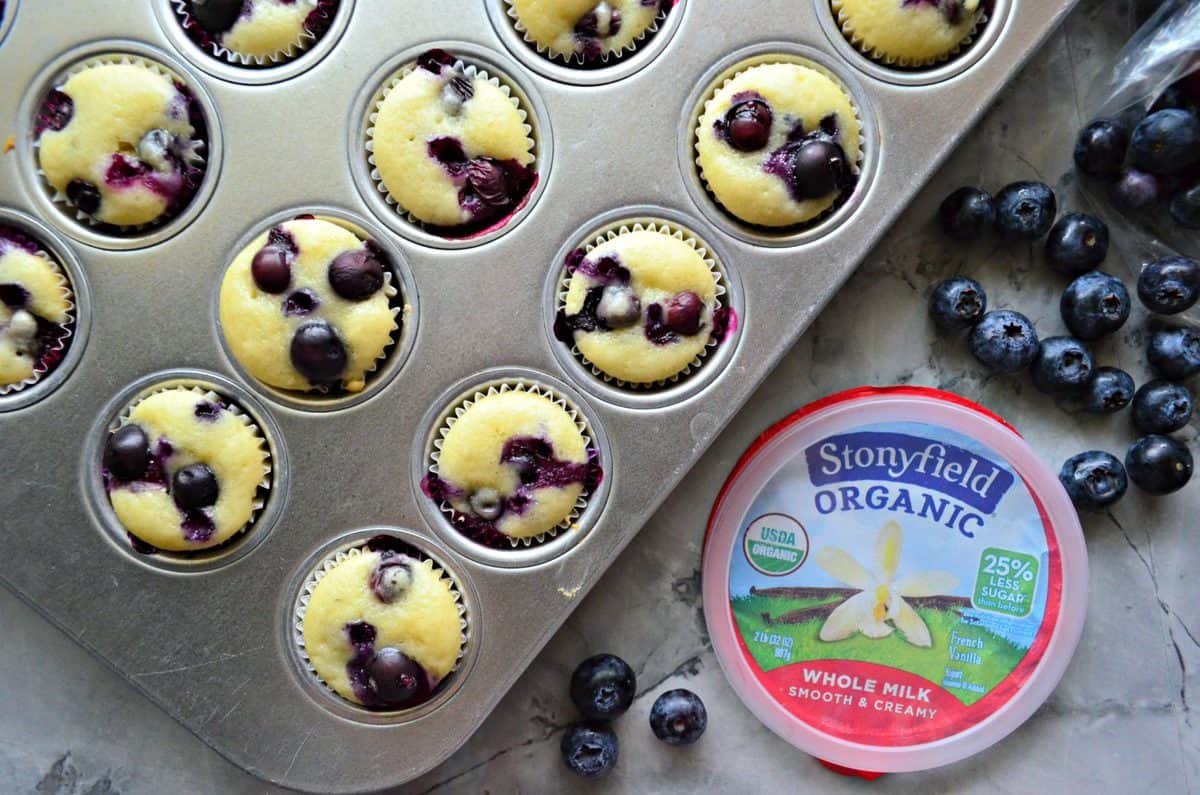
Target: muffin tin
[[213, 643]]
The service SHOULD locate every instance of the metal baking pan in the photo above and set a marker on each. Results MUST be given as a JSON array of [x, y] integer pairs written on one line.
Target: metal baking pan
[[212, 643]]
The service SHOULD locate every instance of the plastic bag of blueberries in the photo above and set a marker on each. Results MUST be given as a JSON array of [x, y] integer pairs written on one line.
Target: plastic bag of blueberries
[[1139, 158]]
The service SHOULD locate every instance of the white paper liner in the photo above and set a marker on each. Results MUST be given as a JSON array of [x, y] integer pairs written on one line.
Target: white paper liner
[[730, 76], [578, 60], [264, 485], [294, 49], [60, 198], [471, 71], [68, 327], [889, 59], [327, 565], [624, 227], [459, 409]]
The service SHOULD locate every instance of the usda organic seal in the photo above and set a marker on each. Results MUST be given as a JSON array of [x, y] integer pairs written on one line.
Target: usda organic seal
[[776, 544]]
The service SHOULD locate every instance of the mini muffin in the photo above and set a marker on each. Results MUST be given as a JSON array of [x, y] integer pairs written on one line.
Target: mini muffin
[[35, 311], [908, 32], [778, 144], [256, 31], [382, 627], [512, 466], [183, 470], [121, 143], [584, 29], [639, 307], [306, 306], [451, 147]]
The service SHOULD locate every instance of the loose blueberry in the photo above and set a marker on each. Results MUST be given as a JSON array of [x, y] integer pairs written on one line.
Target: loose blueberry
[[1062, 365], [1135, 190], [1162, 407], [399, 681], [603, 686], [1109, 390], [1166, 142], [820, 168], [683, 313], [1100, 148], [748, 125], [194, 487], [272, 269], [1077, 243], [127, 453], [1095, 304], [1004, 341], [678, 717], [356, 275], [1185, 207], [317, 353], [84, 196], [487, 504], [1174, 96], [1025, 210], [619, 307], [216, 16], [1174, 353], [957, 303], [1094, 480], [1159, 464], [391, 577], [590, 749], [966, 213], [1169, 285]]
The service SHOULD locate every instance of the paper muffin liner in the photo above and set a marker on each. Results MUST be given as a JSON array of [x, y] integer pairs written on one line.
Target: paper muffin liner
[[309, 35], [578, 60], [856, 167], [471, 71], [624, 227], [264, 483], [60, 198], [451, 416], [337, 558], [889, 59], [59, 348]]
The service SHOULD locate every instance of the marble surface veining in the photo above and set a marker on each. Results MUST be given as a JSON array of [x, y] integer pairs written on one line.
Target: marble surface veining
[[1123, 719]]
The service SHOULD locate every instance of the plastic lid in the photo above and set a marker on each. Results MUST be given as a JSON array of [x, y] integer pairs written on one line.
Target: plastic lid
[[893, 580]]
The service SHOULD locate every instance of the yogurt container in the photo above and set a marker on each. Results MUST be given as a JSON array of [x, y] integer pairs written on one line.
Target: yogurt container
[[893, 580]]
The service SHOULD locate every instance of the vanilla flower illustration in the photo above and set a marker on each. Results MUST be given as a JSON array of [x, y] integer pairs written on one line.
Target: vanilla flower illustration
[[881, 596]]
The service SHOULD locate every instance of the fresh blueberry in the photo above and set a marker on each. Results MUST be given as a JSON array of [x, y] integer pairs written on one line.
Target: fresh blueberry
[[1094, 480], [215, 16], [748, 125], [194, 486], [84, 196], [271, 269], [957, 303], [317, 352], [399, 680], [1004, 341], [820, 169], [1169, 285], [1185, 207], [1100, 148], [1025, 210], [1166, 142], [127, 453], [1095, 304], [1077, 243], [590, 749], [678, 717], [1174, 353], [1109, 390], [683, 313], [1159, 464], [966, 213], [1135, 190], [1174, 96], [1162, 407], [619, 306], [603, 686], [356, 275], [1062, 365]]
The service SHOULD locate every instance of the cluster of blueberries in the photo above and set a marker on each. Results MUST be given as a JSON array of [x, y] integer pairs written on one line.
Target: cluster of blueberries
[[1093, 305], [602, 688]]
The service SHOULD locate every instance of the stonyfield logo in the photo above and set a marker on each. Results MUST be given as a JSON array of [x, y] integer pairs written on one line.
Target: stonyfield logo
[[936, 466]]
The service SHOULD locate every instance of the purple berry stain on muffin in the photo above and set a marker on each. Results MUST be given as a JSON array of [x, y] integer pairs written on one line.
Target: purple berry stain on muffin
[[952, 10], [48, 349]]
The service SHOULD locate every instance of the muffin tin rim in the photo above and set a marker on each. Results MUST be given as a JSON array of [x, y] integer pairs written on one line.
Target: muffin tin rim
[[202, 561], [39, 190], [10, 16]]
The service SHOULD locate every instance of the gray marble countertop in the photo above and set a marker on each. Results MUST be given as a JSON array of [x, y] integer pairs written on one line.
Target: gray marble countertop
[[1121, 721]]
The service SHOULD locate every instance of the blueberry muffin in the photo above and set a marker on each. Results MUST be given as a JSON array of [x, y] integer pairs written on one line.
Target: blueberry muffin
[[121, 143], [382, 626], [183, 470], [512, 466], [585, 29], [640, 306], [778, 144], [306, 306], [451, 147], [908, 32], [35, 311], [257, 31]]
